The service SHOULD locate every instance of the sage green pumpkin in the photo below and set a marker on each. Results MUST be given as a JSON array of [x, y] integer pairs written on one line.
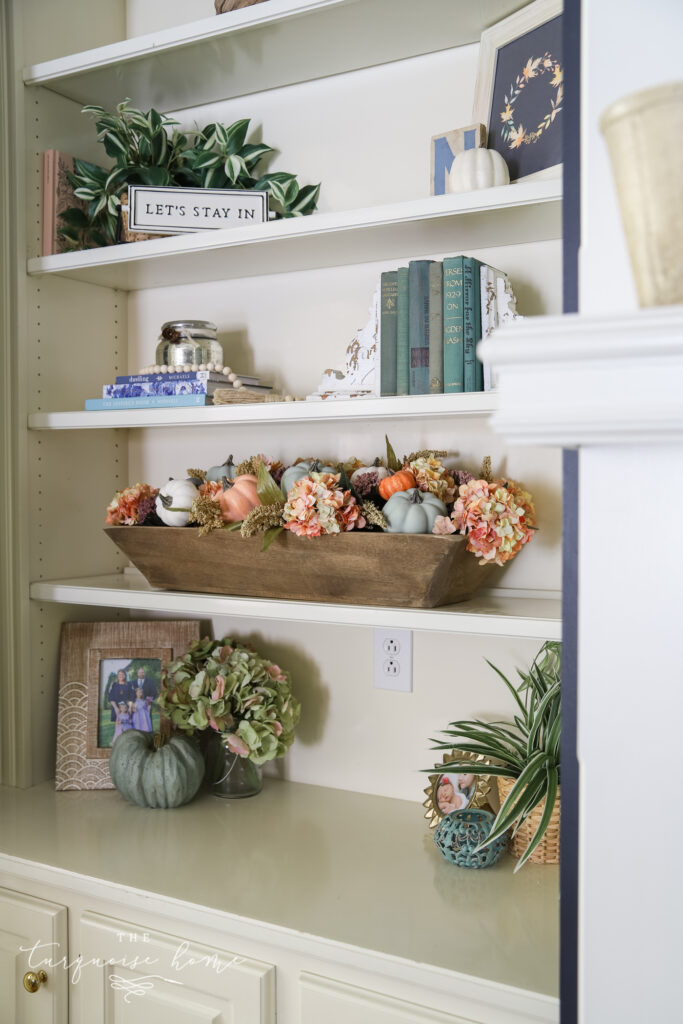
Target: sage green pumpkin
[[413, 511], [164, 777], [302, 469]]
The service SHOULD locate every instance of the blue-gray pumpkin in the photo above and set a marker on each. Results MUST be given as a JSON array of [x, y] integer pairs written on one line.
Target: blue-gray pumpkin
[[413, 511], [300, 470], [226, 469], [148, 775]]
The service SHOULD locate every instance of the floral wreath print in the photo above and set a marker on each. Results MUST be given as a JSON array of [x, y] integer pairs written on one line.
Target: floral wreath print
[[516, 135]]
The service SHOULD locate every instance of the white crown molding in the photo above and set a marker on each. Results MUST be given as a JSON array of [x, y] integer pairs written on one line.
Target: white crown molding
[[575, 380]]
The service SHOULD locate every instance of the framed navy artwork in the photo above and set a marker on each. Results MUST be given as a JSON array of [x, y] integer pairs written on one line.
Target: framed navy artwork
[[520, 89]]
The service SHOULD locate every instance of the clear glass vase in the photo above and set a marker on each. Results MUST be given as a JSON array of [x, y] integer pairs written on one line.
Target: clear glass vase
[[229, 775]]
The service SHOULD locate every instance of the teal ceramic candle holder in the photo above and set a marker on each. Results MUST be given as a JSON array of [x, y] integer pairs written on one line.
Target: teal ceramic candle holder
[[460, 832]]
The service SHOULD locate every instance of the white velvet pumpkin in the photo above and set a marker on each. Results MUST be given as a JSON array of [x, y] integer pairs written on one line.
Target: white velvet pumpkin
[[478, 168], [174, 502]]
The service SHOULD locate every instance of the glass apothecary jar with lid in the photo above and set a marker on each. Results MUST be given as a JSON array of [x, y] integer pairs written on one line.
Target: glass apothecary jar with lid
[[188, 341]]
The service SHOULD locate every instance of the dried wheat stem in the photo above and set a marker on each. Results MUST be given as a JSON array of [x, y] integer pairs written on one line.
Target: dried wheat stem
[[249, 465], [425, 453], [207, 513], [262, 518], [374, 515]]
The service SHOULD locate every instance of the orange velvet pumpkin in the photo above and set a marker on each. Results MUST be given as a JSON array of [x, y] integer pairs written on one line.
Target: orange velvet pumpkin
[[404, 480], [238, 498]]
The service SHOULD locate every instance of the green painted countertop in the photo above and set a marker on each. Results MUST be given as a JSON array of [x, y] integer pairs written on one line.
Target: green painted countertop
[[346, 866]]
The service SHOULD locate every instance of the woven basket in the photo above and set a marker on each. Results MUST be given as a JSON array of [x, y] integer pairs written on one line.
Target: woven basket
[[133, 236], [548, 850], [233, 5]]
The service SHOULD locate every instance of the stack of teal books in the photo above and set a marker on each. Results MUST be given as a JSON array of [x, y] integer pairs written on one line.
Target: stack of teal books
[[433, 313]]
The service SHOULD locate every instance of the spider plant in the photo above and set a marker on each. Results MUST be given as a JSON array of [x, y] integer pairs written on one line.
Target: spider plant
[[526, 750], [149, 149]]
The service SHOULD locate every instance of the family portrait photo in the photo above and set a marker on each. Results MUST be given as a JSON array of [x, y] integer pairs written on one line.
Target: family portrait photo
[[128, 693]]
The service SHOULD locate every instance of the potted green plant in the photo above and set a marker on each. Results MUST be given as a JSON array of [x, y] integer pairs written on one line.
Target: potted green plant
[[524, 755], [149, 149]]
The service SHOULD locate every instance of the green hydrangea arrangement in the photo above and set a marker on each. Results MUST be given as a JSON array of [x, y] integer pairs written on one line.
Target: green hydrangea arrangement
[[225, 686]]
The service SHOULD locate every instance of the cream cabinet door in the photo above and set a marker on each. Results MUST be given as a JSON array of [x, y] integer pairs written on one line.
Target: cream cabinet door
[[326, 1001], [133, 976], [33, 937]]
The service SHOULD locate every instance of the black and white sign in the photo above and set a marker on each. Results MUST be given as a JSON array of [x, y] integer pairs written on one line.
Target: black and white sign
[[179, 210]]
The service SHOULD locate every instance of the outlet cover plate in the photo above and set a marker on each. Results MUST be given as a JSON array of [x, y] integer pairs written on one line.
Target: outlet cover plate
[[393, 660]]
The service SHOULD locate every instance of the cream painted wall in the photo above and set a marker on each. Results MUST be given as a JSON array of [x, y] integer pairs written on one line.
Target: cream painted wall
[[144, 16], [354, 737], [54, 29]]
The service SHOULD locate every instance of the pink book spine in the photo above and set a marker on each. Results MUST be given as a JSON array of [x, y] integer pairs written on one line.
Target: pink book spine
[[49, 200]]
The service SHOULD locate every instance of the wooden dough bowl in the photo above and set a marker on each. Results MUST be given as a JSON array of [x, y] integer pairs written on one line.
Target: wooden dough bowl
[[401, 570]]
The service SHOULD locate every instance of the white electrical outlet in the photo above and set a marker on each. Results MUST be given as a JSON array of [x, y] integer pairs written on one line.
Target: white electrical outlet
[[393, 660]]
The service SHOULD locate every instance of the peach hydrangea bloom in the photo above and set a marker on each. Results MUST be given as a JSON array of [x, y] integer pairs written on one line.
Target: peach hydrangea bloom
[[432, 476], [498, 518], [443, 525], [122, 510], [210, 489], [316, 505]]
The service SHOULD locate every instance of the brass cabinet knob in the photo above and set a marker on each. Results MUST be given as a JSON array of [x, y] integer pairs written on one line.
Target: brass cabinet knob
[[33, 980]]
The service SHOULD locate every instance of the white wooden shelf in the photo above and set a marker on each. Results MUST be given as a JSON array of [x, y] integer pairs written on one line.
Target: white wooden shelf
[[505, 215], [261, 48], [627, 369], [487, 615], [399, 407]]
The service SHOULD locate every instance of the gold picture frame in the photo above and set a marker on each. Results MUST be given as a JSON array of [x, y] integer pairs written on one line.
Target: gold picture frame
[[440, 801], [89, 651]]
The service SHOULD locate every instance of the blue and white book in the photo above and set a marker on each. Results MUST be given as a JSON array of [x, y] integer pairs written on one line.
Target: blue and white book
[[147, 402], [162, 387], [212, 375]]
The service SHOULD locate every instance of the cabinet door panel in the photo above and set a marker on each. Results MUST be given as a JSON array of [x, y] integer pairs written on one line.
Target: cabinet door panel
[[33, 935], [133, 976], [335, 1002]]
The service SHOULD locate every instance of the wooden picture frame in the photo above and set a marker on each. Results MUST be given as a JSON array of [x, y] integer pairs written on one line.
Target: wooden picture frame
[[520, 79], [90, 653], [444, 149]]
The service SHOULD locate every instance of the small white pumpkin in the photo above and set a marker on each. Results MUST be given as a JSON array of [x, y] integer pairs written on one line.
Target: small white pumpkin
[[477, 168], [174, 502], [375, 471]]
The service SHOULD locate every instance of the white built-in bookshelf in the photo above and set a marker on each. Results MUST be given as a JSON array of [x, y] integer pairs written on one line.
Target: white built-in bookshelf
[[287, 296]]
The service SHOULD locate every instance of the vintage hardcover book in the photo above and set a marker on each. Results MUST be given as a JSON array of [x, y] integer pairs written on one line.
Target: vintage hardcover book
[[473, 375], [402, 344], [58, 195], [163, 387], [436, 329], [147, 402], [388, 318], [418, 325], [453, 326]]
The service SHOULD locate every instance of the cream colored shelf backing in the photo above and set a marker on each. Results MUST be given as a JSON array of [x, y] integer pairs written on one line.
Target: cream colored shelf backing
[[487, 615], [505, 215], [400, 407], [261, 47]]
